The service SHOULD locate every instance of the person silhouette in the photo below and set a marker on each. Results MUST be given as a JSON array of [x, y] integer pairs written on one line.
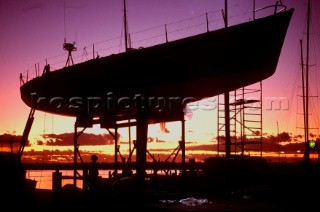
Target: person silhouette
[[93, 173]]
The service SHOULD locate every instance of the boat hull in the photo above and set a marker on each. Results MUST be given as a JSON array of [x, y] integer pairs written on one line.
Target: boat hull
[[170, 74]]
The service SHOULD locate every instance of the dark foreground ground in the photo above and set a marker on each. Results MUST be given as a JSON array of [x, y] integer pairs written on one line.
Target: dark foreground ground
[[263, 200], [235, 187]]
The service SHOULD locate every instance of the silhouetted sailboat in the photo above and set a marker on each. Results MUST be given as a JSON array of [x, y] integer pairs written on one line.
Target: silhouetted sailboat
[[188, 69], [154, 84]]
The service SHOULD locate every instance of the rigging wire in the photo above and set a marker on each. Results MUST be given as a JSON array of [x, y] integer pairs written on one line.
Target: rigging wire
[[313, 110], [54, 65], [315, 25], [120, 38], [44, 131], [64, 19], [313, 89]]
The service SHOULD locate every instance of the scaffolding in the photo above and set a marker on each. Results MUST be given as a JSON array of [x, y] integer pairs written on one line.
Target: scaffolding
[[245, 112]]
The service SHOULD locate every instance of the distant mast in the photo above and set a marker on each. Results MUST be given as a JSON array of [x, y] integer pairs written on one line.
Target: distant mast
[[303, 92], [307, 152]]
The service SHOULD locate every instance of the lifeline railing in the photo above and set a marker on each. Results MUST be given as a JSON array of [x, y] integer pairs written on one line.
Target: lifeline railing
[[156, 35]]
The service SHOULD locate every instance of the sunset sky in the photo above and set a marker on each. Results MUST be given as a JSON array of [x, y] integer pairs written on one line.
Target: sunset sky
[[33, 31]]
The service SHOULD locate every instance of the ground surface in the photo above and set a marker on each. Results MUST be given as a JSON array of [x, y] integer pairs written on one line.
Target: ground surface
[[235, 187]]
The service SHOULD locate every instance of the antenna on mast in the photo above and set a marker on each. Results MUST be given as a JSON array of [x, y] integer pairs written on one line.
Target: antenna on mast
[[70, 47]]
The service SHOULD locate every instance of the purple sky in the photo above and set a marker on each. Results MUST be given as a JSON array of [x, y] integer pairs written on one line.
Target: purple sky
[[34, 30]]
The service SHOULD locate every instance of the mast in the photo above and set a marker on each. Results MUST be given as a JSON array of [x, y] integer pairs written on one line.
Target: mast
[[226, 96], [125, 25], [303, 92], [306, 154]]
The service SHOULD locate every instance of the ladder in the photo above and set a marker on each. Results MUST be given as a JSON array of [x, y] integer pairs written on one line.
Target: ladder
[[26, 131]]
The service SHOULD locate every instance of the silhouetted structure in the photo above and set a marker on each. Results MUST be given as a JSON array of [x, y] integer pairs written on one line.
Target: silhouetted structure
[[70, 47], [13, 181], [93, 174], [245, 116], [122, 87]]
